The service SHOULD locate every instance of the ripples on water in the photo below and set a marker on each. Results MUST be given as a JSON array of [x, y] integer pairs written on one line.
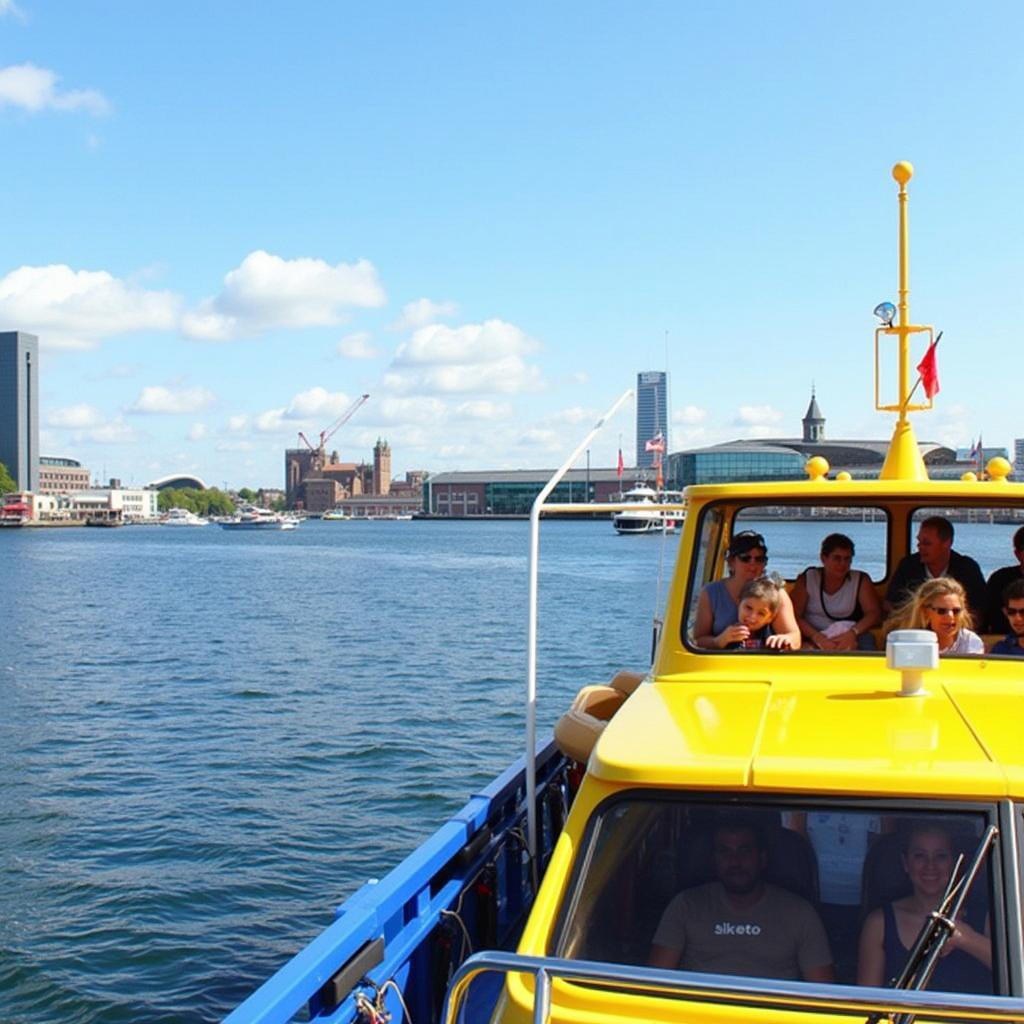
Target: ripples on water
[[210, 739]]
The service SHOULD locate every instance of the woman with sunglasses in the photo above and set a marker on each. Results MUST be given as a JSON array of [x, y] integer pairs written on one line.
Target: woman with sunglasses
[[717, 625], [941, 606]]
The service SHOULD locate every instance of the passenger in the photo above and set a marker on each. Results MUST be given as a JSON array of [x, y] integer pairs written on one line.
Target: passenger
[[997, 584], [718, 602], [758, 608], [1013, 610], [741, 924], [836, 606], [935, 557], [890, 931], [941, 606]]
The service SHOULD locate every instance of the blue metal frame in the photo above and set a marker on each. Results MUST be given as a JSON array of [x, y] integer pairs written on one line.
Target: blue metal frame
[[408, 906]]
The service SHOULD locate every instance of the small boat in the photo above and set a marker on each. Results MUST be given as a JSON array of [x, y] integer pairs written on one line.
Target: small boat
[[644, 516], [252, 518], [335, 515], [183, 517]]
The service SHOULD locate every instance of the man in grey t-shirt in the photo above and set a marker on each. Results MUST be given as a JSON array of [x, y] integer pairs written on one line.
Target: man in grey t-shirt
[[741, 924]]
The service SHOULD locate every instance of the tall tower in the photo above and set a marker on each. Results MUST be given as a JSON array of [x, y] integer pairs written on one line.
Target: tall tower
[[651, 413], [381, 468], [814, 422], [19, 407]]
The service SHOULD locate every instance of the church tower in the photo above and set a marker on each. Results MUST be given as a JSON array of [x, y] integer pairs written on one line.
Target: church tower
[[814, 422], [381, 468]]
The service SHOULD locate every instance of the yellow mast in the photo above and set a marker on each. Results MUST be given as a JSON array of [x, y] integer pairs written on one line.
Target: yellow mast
[[904, 461]]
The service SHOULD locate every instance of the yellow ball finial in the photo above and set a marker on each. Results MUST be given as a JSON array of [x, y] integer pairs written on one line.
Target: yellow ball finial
[[998, 469], [843, 476], [903, 171], [969, 477], [816, 468]]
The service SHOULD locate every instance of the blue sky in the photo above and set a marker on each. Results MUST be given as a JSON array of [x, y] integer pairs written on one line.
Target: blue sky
[[226, 221]]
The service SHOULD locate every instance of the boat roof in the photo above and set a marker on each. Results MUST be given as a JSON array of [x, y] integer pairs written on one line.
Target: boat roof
[[832, 491], [759, 732]]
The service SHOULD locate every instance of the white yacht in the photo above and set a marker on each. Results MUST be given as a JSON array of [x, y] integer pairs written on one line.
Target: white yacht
[[183, 517], [252, 518], [643, 516]]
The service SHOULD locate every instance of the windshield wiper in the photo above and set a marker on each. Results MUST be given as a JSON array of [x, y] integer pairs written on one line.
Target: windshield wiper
[[941, 923]]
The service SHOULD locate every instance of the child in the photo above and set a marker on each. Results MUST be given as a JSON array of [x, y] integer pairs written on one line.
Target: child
[[758, 605], [1013, 609]]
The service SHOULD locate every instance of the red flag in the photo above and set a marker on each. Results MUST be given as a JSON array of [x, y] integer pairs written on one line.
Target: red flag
[[621, 465], [929, 371]]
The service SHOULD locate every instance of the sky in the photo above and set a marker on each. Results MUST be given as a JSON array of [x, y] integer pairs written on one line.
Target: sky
[[225, 222]]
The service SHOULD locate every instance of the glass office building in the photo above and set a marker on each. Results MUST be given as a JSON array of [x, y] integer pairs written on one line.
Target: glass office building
[[19, 407], [651, 413]]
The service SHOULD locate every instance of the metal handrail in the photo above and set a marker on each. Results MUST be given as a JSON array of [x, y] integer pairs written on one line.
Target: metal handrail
[[531, 629], [809, 997]]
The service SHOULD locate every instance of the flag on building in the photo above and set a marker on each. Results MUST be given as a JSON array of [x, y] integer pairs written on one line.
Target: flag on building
[[929, 371], [656, 443], [977, 452], [621, 465]]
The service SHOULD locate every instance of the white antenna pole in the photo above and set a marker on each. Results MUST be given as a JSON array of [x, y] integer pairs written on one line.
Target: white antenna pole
[[531, 644]]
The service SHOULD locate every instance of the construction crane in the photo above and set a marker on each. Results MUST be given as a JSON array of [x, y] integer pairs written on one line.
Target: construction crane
[[328, 432]]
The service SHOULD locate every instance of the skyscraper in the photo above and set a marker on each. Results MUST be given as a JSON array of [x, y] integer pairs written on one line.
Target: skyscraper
[[1018, 457], [19, 407], [651, 413]]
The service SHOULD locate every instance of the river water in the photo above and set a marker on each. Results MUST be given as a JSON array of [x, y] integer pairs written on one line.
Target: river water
[[208, 739]]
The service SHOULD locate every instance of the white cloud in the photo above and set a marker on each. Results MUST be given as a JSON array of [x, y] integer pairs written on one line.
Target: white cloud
[[481, 358], [197, 432], [757, 416], [10, 7], [234, 446], [357, 346], [266, 292], [314, 408], [75, 417], [166, 401], [482, 409], [114, 432], [75, 309], [236, 424], [423, 312], [414, 410], [689, 415], [35, 89]]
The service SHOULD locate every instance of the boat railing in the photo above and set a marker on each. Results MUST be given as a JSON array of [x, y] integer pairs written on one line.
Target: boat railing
[[759, 993], [472, 875]]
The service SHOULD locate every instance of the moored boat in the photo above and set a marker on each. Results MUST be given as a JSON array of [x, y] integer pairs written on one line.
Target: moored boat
[[642, 513], [183, 517], [727, 836], [252, 518]]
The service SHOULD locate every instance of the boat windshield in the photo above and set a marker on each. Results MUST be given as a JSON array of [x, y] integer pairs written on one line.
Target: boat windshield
[[805, 892], [850, 573]]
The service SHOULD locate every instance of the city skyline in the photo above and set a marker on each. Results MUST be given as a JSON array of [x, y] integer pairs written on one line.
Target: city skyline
[[489, 241]]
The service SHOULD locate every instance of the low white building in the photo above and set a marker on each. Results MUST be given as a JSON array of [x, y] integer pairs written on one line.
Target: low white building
[[126, 503]]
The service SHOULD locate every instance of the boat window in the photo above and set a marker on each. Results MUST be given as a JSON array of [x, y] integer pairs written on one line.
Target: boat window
[[793, 537], [804, 892], [984, 533]]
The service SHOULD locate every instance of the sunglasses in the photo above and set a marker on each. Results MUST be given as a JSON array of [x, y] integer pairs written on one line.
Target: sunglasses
[[1013, 612], [760, 559], [945, 611]]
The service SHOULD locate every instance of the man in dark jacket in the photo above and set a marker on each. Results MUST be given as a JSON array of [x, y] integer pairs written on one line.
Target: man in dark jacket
[[999, 581], [935, 557]]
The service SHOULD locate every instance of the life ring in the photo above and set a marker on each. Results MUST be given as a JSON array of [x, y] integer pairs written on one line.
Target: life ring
[[579, 728]]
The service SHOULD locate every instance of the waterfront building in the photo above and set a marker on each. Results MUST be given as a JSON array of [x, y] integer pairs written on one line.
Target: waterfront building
[[1018, 457], [177, 481], [651, 414], [780, 458], [61, 476], [19, 407], [381, 468], [127, 504], [512, 491]]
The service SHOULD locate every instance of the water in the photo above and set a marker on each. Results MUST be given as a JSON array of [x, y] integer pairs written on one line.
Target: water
[[208, 739]]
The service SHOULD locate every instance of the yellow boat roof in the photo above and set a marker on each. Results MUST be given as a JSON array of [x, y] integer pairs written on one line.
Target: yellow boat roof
[[757, 733]]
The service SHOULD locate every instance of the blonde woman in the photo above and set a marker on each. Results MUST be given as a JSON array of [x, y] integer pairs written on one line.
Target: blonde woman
[[941, 606]]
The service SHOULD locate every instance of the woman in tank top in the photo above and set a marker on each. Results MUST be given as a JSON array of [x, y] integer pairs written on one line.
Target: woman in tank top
[[835, 605], [890, 931], [718, 620]]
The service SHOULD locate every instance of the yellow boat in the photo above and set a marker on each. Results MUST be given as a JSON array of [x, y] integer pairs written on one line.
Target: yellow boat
[[807, 775], [754, 833]]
